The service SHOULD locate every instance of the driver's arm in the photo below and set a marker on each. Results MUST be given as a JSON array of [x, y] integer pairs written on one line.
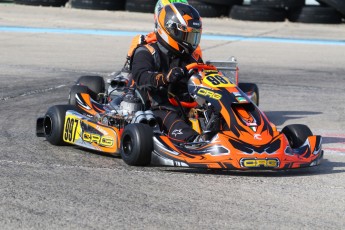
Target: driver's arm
[[144, 73], [143, 69]]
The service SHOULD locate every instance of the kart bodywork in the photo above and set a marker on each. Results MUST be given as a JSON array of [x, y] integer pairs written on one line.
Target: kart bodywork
[[236, 134]]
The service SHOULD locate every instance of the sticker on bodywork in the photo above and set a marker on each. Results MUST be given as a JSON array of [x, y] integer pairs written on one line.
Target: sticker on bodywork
[[72, 129], [209, 94], [259, 163], [75, 132], [216, 80]]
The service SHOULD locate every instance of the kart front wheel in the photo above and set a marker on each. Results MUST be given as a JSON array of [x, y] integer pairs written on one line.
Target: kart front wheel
[[296, 134], [53, 123], [252, 91], [137, 144]]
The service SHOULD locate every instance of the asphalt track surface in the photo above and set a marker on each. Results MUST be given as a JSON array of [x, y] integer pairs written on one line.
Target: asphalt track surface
[[48, 187]]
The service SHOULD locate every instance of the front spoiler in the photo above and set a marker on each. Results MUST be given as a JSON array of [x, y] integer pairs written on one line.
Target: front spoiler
[[164, 155], [159, 160]]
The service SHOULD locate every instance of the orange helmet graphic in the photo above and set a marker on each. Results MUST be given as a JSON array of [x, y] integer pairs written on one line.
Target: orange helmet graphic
[[179, 28], [160, 4]]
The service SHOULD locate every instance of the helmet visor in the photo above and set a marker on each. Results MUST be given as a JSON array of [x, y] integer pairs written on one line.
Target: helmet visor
[[184, 34]]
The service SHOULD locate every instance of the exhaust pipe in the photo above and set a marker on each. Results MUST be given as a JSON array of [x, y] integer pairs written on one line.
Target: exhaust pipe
[[139, 117], [146, 117], [150, 118]]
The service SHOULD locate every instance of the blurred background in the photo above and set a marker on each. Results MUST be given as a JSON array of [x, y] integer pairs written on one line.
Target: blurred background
[[299, 11]]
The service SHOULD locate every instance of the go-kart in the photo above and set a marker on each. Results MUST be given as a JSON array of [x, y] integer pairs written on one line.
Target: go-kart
[[234, 133]]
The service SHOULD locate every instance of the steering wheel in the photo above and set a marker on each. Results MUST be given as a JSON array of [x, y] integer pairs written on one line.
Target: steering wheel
[[191, 69]]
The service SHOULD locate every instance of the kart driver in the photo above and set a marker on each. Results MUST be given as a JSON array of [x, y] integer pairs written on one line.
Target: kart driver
[[140, 40], [159, 64], [151, 37]]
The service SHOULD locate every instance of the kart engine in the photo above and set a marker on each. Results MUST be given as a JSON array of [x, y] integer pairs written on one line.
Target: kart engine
[[130, 103], [125, 111]]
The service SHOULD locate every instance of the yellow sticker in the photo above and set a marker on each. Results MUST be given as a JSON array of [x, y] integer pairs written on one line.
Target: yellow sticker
[[216, 80], [72, 129], [105, 141], [209, 93], [255, 163]]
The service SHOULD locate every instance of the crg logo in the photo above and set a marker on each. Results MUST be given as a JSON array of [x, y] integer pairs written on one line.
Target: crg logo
[[259, 163], [106, 141], [210, 94]]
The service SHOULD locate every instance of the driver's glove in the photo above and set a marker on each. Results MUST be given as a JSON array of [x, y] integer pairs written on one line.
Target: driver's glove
[[175, 74]]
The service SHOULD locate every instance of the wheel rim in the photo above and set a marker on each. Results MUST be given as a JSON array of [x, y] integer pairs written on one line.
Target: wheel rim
[[127, 145], [48, 126]]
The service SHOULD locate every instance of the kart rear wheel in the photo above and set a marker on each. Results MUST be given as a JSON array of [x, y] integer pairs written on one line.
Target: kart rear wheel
[[252, 91], [296, 134], [137, 144], [53, 123], [95, 83], [78, 89]]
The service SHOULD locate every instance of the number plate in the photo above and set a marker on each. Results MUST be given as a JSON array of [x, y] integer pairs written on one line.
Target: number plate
[[72, 129], [216, 80]]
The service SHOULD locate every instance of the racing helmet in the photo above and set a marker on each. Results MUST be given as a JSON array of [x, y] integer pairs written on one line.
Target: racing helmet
[[179, 28], [161, 3]]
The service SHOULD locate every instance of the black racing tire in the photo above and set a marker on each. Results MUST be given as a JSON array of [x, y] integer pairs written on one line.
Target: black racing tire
[[258, 13], [99, 4], [278, 3], [137, 144], [208, 10], [55, 3], [315, 14], [54, 123], [78, 89], [250, 89], [296, 134], [339, 5], [321, 3], [95, 84], [223, 2], [144, 6]]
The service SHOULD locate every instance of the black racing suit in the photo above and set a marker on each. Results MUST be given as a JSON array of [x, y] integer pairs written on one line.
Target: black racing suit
[[146, 72]]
